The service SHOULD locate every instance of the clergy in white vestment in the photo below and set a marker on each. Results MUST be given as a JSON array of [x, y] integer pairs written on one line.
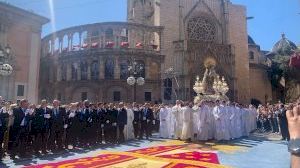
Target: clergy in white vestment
[[128, 131], [163, 124], [232, 118], [220, 122], [177, 112], [238, 121], [187, 127], [195, 121], [227, 116], [204, 122], [212, 125]]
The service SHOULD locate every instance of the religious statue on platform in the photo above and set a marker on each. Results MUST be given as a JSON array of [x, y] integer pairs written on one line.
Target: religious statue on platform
[[209, 76]]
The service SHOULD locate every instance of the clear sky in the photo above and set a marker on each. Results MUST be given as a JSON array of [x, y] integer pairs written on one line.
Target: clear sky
[[271, 17]]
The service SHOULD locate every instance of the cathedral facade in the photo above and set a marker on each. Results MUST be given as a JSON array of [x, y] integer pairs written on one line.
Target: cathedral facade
[[196, 32], [174, 40]]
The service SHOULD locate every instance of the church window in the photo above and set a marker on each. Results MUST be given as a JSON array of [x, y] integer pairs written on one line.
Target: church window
[[251, 55], [168, 89], [142, 70], [74, 71], [109, 33], [20, 90], [83, 70], [95, 70], [124, 69], [109, 69], [63, 73], [84, 96], [148, 96], [117, 96], [201, 29]]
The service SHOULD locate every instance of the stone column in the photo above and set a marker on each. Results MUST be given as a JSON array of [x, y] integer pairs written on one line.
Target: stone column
[[147, 68], [69, 72], [78, 71], [89, 75], [116, 68], [102, 68], [58, 75]]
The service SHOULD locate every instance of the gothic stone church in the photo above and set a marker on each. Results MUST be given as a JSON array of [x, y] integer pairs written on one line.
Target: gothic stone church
[[172, 39], [198, 30]]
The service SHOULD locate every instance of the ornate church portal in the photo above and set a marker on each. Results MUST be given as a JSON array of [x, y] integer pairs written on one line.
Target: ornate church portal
[[208, 60]]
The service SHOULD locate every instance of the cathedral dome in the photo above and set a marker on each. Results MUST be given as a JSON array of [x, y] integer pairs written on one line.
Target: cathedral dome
[[284, 46], [251, 41]]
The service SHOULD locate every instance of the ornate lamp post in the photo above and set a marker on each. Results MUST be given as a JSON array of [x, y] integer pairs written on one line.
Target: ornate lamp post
[[135, 69], [5, 55]]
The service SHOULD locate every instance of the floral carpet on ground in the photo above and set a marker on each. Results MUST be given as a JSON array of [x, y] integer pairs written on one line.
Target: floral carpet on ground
[[173, 154]]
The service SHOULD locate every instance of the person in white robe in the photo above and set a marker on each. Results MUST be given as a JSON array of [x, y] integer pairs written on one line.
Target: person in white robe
[[232, 118], [164, 120], [177, 112], [187, 129], [222, 132], [238, 121], [212, 125], [195, 121], [204, 122], [128, 131]]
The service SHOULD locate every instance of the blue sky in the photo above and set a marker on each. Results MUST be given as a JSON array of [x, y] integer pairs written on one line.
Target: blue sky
[[272, 17]]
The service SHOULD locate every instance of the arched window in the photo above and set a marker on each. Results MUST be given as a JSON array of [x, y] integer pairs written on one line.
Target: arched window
[[74, 71], [65, 43], [201, 29], [142, 72], [251, 55], [63, 73], [84, 70], [109, 33], [109, 68], [124, 69], [95, 70], [168, 89], [56, 46]]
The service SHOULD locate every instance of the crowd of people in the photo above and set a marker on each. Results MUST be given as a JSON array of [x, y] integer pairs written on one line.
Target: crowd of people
[[272, 118], [49, 127], [207, 120]]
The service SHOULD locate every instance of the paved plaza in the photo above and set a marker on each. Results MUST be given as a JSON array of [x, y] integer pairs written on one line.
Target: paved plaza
[[261, 151]]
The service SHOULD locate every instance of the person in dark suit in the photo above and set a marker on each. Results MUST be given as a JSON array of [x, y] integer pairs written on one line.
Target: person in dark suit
[[121, 122], [94, 124], [86, 122], [283, 123], [73, 125], [101, 122], [19, 129], [146, 121], [57, 126], [41, 124], [107, 123], [136, 119], [113, 115], [3, 124]]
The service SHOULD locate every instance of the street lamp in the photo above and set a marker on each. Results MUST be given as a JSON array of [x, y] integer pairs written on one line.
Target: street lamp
[[5, 54], [135, 78]]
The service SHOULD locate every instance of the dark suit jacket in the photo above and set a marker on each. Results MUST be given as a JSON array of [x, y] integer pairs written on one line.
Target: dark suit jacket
[[57, 121], [122, 117], [148, 113], [19, 115], [40, 123], [4, 121]]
